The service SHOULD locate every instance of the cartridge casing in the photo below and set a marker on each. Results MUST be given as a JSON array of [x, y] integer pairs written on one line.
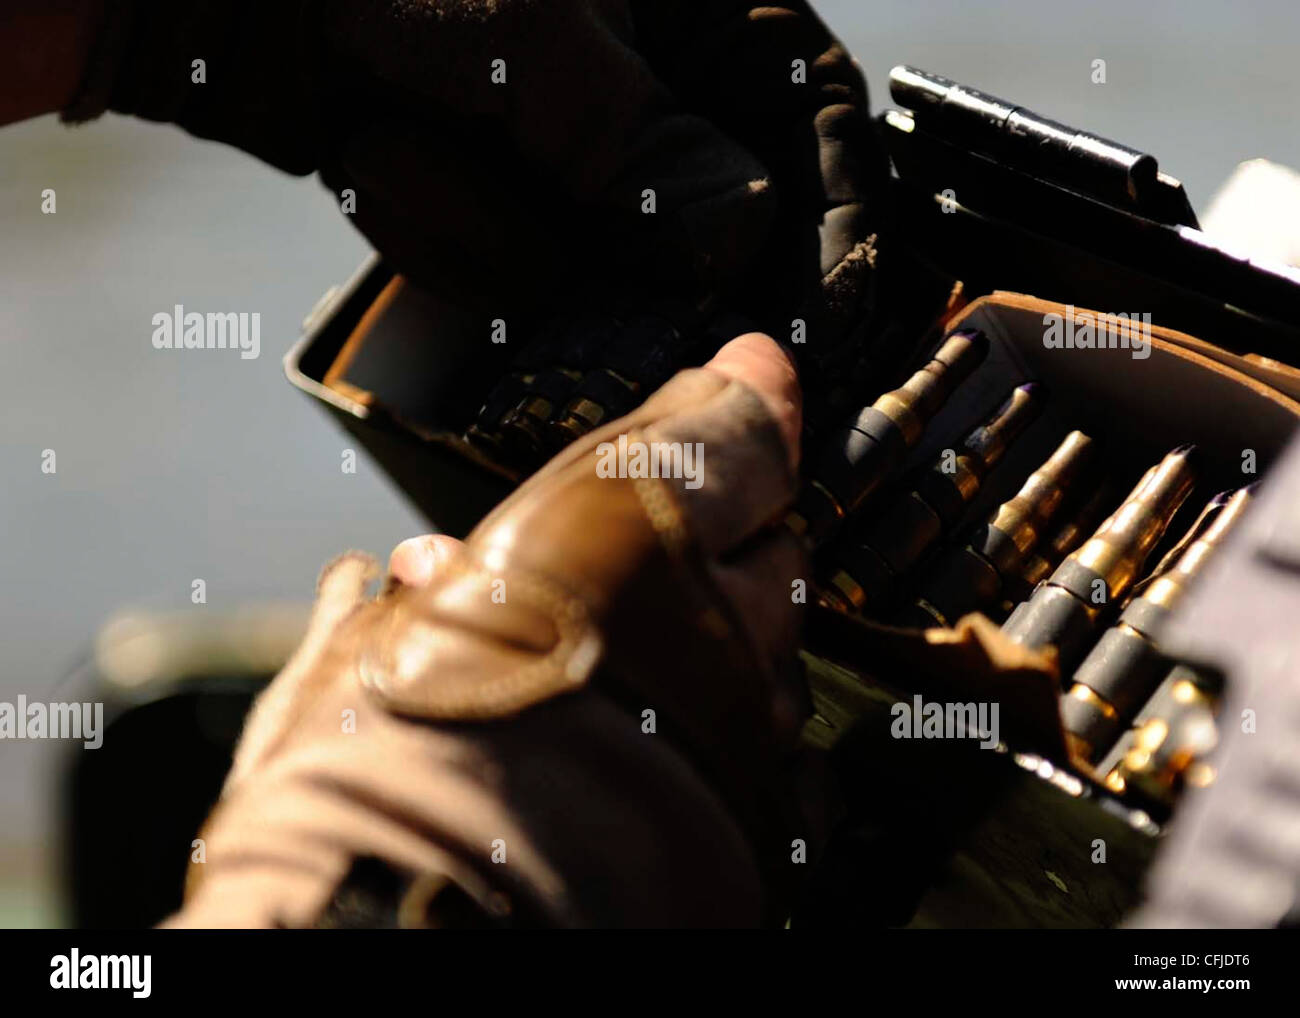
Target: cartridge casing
[[860, 456], [1063, 610], [871, 558], [1167, 745], [1126, 665], [1044, 559], [972, 578]]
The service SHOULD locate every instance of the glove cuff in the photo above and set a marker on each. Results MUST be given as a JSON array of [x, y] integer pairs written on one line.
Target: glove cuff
[[112, 36]]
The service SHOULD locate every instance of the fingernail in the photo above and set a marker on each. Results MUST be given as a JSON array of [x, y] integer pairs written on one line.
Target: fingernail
[[413, 562]]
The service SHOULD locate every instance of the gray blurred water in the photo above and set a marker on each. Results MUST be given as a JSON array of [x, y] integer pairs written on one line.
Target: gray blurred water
[[175, 466]]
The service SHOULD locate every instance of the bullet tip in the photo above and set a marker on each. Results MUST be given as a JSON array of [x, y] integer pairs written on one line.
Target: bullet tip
[[974, 338]]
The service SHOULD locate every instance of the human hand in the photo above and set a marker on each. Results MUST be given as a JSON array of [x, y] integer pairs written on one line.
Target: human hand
[[504, 153], [497, 690]]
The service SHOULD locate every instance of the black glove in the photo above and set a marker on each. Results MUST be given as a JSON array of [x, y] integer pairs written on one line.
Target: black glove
[[503, 151]]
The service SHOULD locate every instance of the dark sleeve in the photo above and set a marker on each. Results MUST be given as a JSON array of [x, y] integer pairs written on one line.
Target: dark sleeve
[[256, 91]]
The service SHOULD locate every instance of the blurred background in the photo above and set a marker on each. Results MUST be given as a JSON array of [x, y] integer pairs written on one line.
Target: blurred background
[[175, 467]]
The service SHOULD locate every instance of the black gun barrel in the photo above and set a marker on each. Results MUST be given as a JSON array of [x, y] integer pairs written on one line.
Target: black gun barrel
[[1019, 137]]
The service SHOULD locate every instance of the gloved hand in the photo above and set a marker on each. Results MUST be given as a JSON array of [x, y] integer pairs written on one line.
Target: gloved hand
[[504, 150], [587, 714]]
